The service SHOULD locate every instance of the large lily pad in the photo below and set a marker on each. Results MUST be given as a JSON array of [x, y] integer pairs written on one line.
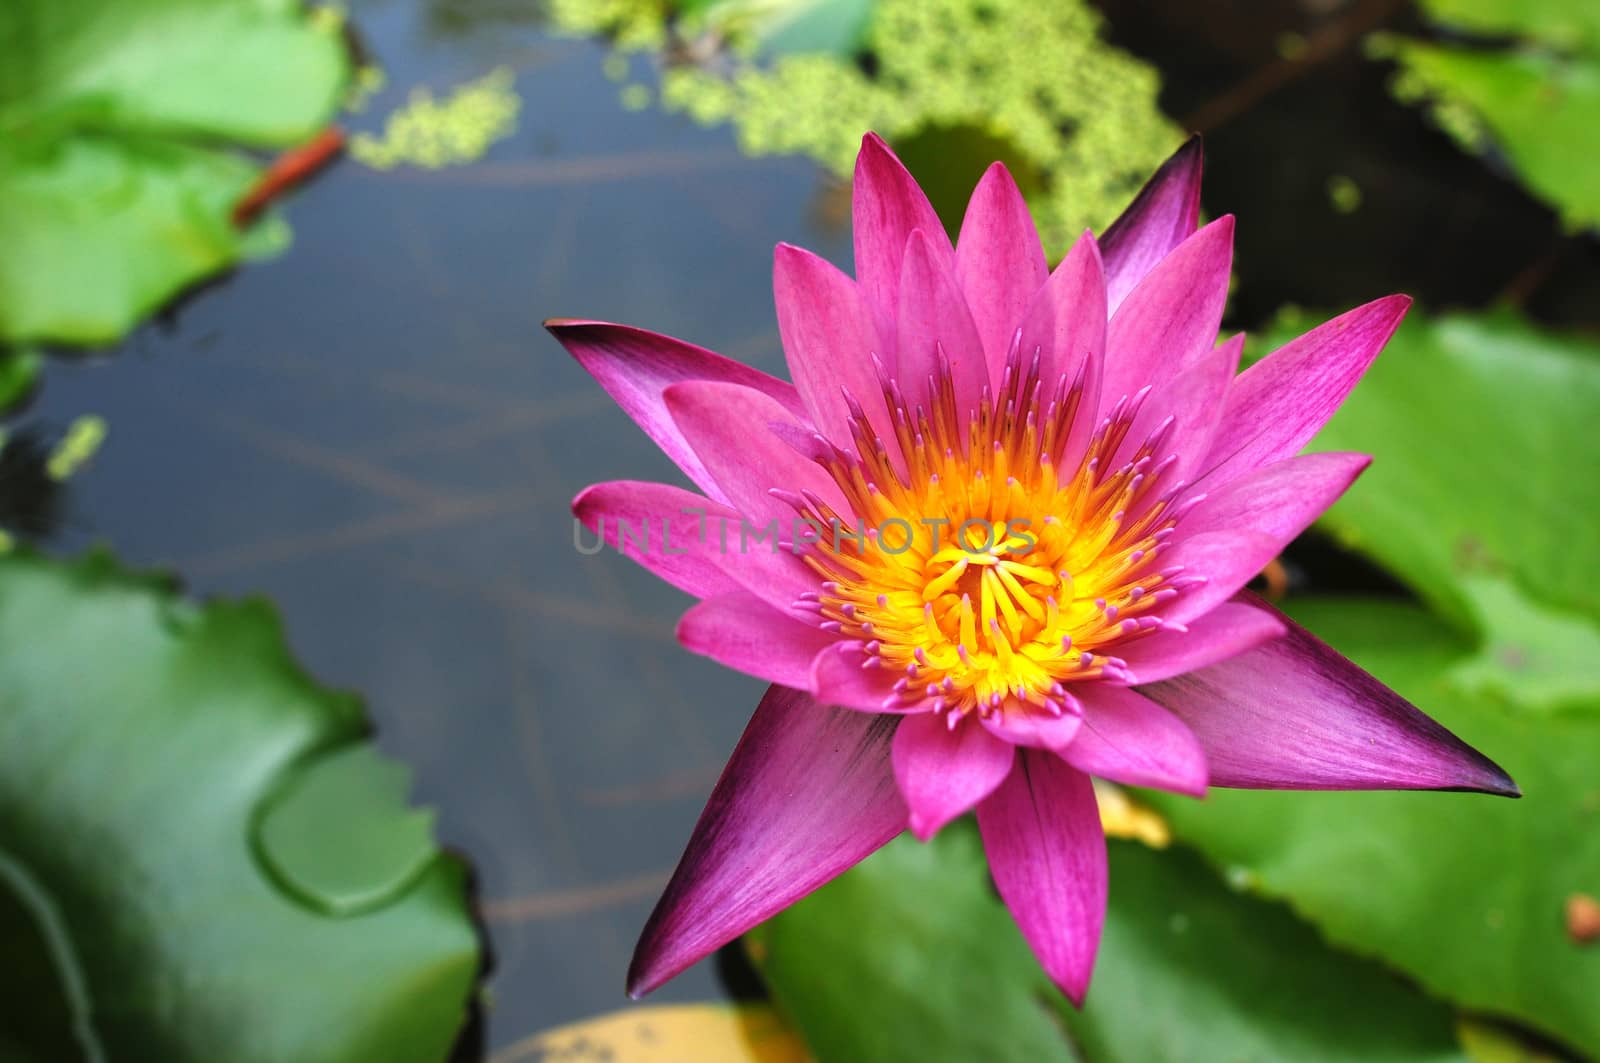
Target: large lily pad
[[1482, 431], [1466, 893], [116, 185], [194, 838], [912, 956]]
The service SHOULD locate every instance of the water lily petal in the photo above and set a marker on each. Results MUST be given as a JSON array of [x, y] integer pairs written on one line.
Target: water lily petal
[[1162, 216], [743, 632], [843, 675], [730, 429], [688, 540], [886, 205], [1280, 499], [1229, 629], [1047, 852], [999, 262], [936, 329], [1292, 714], [1278, 404], [636, 366], [1131, 740], [1066, 324], [1172, 316], [829, 340], [1262, 512], [943, 773], [1034, 728], [807, 795], [1191, 399]]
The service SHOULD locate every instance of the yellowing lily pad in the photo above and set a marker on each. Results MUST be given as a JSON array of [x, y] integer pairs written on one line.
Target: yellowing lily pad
[[675, 1033]]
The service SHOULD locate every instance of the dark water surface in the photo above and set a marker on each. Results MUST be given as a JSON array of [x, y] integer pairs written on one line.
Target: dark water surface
[[374, 431]]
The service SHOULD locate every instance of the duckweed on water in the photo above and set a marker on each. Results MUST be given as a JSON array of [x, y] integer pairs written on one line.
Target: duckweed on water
[[1083, 124], [432, 134]]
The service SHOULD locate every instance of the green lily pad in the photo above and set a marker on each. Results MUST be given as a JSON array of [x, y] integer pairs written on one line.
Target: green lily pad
[[372, 850], [1481, 430], [912, 956], [1538, 100], [1463, 892], [1535, 657], [161, 768], [116, 182]]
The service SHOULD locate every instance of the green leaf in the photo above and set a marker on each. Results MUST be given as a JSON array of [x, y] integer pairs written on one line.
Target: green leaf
[[363, 857], [1481, 430], [1538, 100], [912, 956], [1542, 109], [1565, 23], [1535, 657], [165, 768], [1464, 892], [114, 170]]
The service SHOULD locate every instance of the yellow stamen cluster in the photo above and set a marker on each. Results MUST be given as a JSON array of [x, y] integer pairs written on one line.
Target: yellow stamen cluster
[[978, 566]]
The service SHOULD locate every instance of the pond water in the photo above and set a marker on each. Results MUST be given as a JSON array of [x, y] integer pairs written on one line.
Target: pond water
[[374, 432]]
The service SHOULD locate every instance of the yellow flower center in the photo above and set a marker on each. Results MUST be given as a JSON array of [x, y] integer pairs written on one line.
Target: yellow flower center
[[981, 570]]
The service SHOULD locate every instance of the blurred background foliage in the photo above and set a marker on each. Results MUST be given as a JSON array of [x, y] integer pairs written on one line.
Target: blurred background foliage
[[196, 837]]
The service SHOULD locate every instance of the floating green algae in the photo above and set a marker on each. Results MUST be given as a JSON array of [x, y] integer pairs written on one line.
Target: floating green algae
[[430, 133], [1033, 82]]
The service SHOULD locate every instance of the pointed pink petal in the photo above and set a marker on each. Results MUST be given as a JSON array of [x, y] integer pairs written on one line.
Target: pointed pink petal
[[1278, 404], [943, 773], [1292, 714], [693, 543], [886, 205], [1173, 315], [935, 327], [1228, 630], [842, 675], [1034, 728], [748, 635], [1066, 324], [1259, 514], [635, 367], [829, 340], [1192, 400], [731, 430], [999, 262], [1041, 831], [1162, 216], [807, 795], [1131, 740]]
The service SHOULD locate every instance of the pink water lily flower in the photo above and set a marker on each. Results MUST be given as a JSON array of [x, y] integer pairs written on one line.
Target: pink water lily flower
[[992, 541]]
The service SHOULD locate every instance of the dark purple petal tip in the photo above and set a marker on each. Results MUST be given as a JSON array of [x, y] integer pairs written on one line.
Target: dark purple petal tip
[[1293, 714], [808, 793]]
